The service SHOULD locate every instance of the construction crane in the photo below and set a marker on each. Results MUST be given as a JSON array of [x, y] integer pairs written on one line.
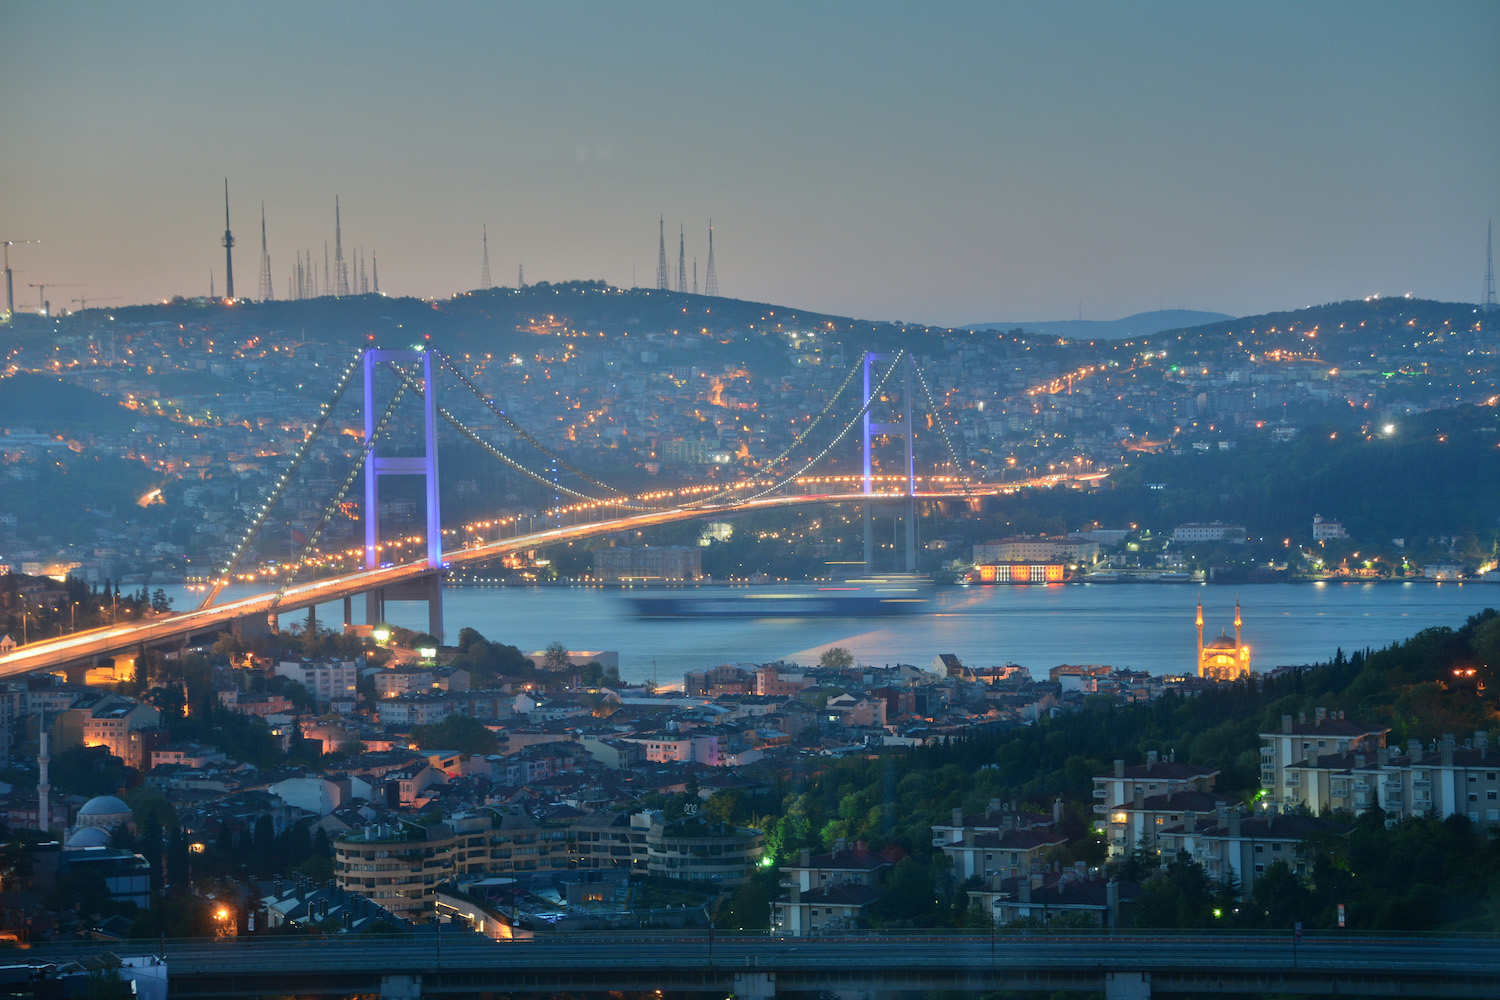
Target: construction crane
[[44, 309], [83, 300], [10, 296]]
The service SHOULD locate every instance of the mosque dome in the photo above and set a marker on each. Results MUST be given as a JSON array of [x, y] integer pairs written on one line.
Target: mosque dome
[[104, 812], [1221, 642], [88, 836]]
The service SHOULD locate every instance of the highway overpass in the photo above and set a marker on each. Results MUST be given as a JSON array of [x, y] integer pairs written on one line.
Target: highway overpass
[[753, 967]]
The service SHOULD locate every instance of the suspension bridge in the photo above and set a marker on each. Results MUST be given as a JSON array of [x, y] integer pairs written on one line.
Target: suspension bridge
[[584, 506]]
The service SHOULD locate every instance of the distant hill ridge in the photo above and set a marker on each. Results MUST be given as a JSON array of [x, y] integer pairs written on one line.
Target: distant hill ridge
[[1140, 325]]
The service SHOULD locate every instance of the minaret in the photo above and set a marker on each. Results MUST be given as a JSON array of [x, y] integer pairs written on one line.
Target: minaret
[[661, 253], [1241, 654], [228, 247], [484, 269], [43, 787], [710, 276], [1200, 637]]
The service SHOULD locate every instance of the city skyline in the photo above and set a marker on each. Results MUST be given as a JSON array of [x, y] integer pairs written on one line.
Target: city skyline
[[978, 163]]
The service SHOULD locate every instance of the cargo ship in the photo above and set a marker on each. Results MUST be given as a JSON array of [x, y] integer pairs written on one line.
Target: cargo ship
[[863, 598]]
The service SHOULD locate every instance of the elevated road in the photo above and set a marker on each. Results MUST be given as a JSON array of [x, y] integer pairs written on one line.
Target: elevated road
[[757, 968], [81, 648]]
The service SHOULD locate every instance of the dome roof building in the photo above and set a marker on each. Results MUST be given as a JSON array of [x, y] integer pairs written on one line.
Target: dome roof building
[[1222, 658], [87, 836], [103, 812]]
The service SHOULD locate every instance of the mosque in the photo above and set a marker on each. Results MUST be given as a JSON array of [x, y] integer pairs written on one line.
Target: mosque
[[1222, 658]]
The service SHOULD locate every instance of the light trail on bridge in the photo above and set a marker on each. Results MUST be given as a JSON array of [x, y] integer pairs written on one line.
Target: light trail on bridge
[[81, 647]]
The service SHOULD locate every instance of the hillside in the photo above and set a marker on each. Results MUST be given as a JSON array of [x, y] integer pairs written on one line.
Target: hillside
[[1140, 325]]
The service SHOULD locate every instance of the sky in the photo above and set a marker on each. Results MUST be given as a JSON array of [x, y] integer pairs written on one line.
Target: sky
[[940, 162]]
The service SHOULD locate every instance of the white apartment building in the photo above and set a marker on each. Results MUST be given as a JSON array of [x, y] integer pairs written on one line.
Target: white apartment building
[[1298, 741], [325, 679]]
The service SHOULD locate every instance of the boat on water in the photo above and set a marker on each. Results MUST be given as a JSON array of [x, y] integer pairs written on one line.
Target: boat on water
[[863, 598]]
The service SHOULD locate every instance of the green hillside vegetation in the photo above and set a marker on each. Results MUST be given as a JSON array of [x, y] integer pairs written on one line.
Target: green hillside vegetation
[[1439, 472], [1448, 872], [53, 406]]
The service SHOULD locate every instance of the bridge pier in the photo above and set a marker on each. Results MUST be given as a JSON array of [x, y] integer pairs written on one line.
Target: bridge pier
[[754, 986], [348, 612], [1127, 986], [397, 987], [428, 588]]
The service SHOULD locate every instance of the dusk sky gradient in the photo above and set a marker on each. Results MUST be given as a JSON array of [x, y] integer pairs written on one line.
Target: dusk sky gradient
[[935, 162]]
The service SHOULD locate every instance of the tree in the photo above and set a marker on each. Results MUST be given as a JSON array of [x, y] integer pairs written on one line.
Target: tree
[[556, 657], [836, 658], [460, 733]]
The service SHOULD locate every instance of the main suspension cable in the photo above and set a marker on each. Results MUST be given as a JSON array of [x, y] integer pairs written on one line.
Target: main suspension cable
[[281, 485], [874, 393], [937, 419], [525, 434], [343, 490]]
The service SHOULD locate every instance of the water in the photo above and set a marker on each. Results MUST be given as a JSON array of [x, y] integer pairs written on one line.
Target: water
[[1140, 626]]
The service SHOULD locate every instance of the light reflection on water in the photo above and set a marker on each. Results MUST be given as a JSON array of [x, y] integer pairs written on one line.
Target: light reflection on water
[[1141, 626]]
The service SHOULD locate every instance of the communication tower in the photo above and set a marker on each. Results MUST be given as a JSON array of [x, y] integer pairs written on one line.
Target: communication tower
[[228, 250], [484, 269], [267, 291], [661, 254], [375, 269], [1488, 301], [711, 277], [681, 262], [340, 267]]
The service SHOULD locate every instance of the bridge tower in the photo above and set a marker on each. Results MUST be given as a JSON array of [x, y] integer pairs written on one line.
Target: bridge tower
[[429, 587], [902, 427]]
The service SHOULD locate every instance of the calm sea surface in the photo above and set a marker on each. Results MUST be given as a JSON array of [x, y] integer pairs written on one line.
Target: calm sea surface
[[1141, 626]]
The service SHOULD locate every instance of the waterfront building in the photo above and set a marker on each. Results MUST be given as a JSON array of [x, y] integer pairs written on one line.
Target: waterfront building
[[1191, 534], [1324, 529], [1069, 551]]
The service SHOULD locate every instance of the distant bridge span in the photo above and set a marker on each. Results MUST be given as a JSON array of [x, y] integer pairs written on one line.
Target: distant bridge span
[[80, 649]]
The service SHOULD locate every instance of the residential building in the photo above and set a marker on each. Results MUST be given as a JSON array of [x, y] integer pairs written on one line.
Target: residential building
[[695, 848], [1323, 529], [1045, 895], [1297, 741], [830, 891], [324, 679], [1001, 847]]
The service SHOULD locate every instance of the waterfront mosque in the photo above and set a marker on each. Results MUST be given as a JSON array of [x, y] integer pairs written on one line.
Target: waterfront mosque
[[1222, 658]]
